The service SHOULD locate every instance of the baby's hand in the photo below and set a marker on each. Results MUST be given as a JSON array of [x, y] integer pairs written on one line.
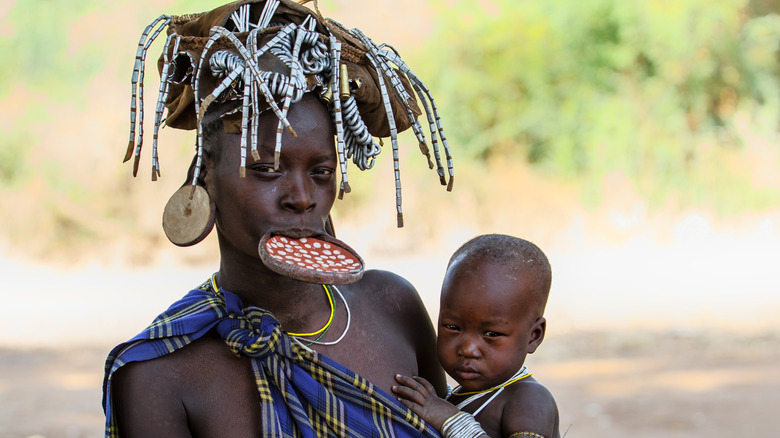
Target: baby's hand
[[419, 395]]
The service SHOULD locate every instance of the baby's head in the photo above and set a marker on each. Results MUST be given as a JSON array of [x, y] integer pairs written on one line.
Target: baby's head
[[491, 310]]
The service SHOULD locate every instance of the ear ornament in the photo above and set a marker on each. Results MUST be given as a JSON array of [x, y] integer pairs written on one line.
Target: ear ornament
[[189, 215]]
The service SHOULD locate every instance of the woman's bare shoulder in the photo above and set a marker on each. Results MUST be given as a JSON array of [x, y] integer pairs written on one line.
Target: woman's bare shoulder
[[379, 285], [200, 385]]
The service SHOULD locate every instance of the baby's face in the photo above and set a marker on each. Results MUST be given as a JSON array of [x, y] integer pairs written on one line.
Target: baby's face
[[486, 324]]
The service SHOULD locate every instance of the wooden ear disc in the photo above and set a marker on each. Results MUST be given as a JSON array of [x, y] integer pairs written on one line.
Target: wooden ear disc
[[321, 259], [188, 216]]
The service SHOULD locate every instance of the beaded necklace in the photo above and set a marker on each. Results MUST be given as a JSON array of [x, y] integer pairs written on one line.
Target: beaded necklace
[[327, 324], [474, 395], [346, 328], [319, 332]]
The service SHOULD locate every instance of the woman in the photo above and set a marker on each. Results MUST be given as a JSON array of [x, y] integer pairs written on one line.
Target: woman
[[269, 346]]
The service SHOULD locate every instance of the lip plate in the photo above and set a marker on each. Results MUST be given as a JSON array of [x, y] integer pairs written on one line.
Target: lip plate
[[305, 274]]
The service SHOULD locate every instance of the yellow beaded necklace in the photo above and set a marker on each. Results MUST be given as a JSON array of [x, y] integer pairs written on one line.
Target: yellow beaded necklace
[[503, 385], [330, 320], [521, 374], [322, 330]]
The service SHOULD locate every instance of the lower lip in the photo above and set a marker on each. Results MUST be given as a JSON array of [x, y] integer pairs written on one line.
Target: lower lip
[[467, 375]]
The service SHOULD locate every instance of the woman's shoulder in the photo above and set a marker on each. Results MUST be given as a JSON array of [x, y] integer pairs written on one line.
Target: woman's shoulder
[[183, 366], [385, 277], [387, 289]]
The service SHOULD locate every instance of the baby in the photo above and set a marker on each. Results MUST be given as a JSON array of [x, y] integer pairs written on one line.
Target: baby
[[491, 316]]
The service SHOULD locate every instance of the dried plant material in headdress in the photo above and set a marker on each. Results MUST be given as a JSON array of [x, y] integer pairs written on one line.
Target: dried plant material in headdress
[[250, 56]]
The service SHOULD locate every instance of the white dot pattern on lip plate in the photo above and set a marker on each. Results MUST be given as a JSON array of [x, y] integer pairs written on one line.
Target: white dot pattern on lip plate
[[312, 253]]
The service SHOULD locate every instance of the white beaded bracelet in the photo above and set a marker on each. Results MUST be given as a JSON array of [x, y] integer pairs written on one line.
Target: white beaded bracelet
[[461, 425]]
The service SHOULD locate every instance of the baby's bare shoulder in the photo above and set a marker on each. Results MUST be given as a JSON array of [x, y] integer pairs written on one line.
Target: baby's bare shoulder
[[530, 407]]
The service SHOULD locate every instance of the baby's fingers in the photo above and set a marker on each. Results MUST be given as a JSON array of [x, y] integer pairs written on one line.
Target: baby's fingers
[[407, 393], [418, 384], [409, 398], [425, 384], [414, 407]]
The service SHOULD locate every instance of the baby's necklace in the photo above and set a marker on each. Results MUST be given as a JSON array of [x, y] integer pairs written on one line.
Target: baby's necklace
[[474, 395]]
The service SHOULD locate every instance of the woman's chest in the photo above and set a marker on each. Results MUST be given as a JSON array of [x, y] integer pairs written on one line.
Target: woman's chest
[[375, 349]]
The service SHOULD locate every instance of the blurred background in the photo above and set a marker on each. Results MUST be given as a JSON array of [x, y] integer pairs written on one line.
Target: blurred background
[[635, 142]]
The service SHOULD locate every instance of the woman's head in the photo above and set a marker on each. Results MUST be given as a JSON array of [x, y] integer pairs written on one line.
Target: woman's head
[[255, 57], [256, 77]]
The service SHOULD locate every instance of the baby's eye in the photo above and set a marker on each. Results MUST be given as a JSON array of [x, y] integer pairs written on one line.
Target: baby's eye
[[492, 334], [450, 327]]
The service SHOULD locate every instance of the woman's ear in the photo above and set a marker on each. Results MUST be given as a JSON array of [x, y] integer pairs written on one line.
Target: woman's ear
[[537, 334], [205, 169], [329, 226], [190, 213]]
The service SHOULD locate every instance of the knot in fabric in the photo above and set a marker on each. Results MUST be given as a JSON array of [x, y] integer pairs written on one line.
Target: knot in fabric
[[253, 332]]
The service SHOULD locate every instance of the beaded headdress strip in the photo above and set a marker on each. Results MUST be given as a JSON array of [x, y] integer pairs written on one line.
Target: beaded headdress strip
[[251, 56]]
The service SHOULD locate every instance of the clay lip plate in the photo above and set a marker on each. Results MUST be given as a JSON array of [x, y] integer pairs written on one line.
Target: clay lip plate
[[314, 259]]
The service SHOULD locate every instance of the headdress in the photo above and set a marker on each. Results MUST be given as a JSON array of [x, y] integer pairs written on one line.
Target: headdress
[[251, 56]]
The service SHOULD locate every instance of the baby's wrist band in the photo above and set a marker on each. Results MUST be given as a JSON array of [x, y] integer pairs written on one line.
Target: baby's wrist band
[[531, 434], [461, 425]]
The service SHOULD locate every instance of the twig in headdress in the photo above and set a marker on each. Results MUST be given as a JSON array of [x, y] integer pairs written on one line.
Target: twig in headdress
[[218, 32], [161, 99], [394, 142], [335, 48], [294, 71], [137, 96], [268, 12], [371, 56], [359, 139], [245, 119], [241, 19], [432, 113], [255, 121], [276, 82]]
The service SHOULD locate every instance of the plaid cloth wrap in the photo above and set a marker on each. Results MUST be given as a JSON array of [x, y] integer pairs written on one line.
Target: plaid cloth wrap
[[302, 393]]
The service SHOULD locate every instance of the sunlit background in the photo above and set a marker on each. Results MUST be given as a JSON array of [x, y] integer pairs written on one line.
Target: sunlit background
[[635, 142]]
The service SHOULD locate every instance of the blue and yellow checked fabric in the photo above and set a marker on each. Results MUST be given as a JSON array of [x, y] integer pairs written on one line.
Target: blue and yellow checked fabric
[[302, 393]]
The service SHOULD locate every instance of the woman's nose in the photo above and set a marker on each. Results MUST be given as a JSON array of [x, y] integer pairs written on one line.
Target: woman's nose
[[298, 193]]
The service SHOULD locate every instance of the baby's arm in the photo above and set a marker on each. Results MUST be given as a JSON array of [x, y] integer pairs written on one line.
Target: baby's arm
[[420, 396], [531, 412]]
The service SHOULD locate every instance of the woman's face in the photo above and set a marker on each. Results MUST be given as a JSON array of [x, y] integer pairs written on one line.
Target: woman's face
[[293, 200]]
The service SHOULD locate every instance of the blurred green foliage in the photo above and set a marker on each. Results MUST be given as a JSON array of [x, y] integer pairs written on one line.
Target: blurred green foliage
[[35, 47], [38, 50], [668, 92], [584, 89]]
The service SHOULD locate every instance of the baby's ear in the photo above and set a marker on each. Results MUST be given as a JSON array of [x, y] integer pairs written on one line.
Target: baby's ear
[[537, 334]]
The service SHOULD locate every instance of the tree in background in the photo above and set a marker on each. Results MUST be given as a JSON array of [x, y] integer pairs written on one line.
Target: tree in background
[[660, 90]]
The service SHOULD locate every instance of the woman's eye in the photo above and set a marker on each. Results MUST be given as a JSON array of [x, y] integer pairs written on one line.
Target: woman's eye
[[265, 169], [324, 171]]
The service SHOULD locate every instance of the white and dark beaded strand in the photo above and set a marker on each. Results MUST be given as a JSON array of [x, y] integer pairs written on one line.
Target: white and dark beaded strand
[[461, 425]]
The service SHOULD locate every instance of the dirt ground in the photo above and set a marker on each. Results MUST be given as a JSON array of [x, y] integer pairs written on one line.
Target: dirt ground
[[691, 350], [607, 385], [645, 338]]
